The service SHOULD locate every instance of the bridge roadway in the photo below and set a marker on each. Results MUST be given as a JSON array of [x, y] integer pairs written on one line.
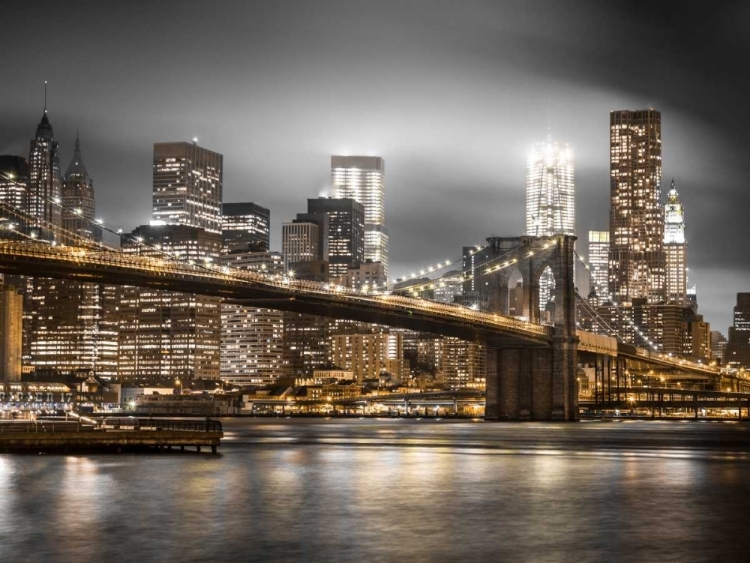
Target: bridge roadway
[[285, 294], [274, 292]]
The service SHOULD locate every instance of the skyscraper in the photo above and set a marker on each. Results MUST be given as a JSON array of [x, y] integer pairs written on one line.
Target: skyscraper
[[636, 222], [44, 183], [550, 190], [245, 226], [675, 247], [79, 207], [74, 325], [300, 242], [598, 261], [187, 186], [550, 200], [346, 231], [362, 178]]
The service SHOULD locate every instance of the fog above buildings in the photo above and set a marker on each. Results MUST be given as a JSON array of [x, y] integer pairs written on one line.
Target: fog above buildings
[[451, 95]]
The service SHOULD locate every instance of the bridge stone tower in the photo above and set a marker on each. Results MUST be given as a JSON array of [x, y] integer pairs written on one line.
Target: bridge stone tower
[[527, 381]]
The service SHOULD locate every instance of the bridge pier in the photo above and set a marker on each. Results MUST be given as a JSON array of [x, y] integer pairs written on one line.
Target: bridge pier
[[532, 383], [538, 382]]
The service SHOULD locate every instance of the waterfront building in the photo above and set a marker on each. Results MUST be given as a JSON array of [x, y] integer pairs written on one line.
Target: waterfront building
[[252, 338], [462, 364], [11, 334], [675, 247], [637, 260], [188, 183], [168, 334], [245, 226], [368, 355], [362, 178], [737, 351], [346, 231]]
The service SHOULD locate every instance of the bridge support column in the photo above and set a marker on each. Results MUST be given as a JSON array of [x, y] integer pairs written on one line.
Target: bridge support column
[[532, 383]]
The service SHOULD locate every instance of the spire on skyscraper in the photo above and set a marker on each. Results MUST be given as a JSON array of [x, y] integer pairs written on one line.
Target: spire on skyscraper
[[76, 168], [44, 129]]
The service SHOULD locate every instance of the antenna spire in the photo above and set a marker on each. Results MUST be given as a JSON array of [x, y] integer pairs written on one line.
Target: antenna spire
[[45, 96], [549, 121]]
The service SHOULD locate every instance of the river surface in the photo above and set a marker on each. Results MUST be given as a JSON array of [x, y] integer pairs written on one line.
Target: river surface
[[393, 490]]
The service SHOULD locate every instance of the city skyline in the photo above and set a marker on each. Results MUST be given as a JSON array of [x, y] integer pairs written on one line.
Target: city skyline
[[487, 144]]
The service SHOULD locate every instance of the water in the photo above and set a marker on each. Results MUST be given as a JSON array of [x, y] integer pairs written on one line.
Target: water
[[393, 490]]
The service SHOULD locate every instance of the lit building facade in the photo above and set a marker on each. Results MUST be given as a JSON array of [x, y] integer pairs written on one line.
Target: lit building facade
[[44, 182], [462, 364], [188, 183], [74, 325], [550, 190], [368, 355], [362, 178], [550, 199], [300, 242], [11, 334], [346, 231], [252, 338], [599, 262], [245, 226], [637, 261], [79, 205], [168, 334], [14, 174], [364, 276], [675, 247], [737, 350]]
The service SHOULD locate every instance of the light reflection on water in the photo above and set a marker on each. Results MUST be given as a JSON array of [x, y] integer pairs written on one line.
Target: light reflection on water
[[392, 490]]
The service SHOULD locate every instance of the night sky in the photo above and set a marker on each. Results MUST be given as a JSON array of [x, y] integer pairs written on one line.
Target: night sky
[[450, 94]]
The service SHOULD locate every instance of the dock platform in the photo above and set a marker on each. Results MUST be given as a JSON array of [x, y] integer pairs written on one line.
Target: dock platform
[[109, 435]]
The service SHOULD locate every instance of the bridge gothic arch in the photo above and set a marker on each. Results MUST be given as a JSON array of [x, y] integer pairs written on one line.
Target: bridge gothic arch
[[533, 382]]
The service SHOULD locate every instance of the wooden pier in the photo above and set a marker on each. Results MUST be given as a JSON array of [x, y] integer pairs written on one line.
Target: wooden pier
[[109, 435]]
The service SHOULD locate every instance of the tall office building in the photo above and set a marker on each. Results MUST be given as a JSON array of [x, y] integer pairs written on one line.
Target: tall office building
[[252, 338], [74, 325], [44, 182], [346, 231], [166, 334], [301, 242], [737, 350], [550, 200], [599, 262], [550, 190], [637, 260], [187, 186], [79, 206], [246, 227], [675, 247], [362, 178]]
